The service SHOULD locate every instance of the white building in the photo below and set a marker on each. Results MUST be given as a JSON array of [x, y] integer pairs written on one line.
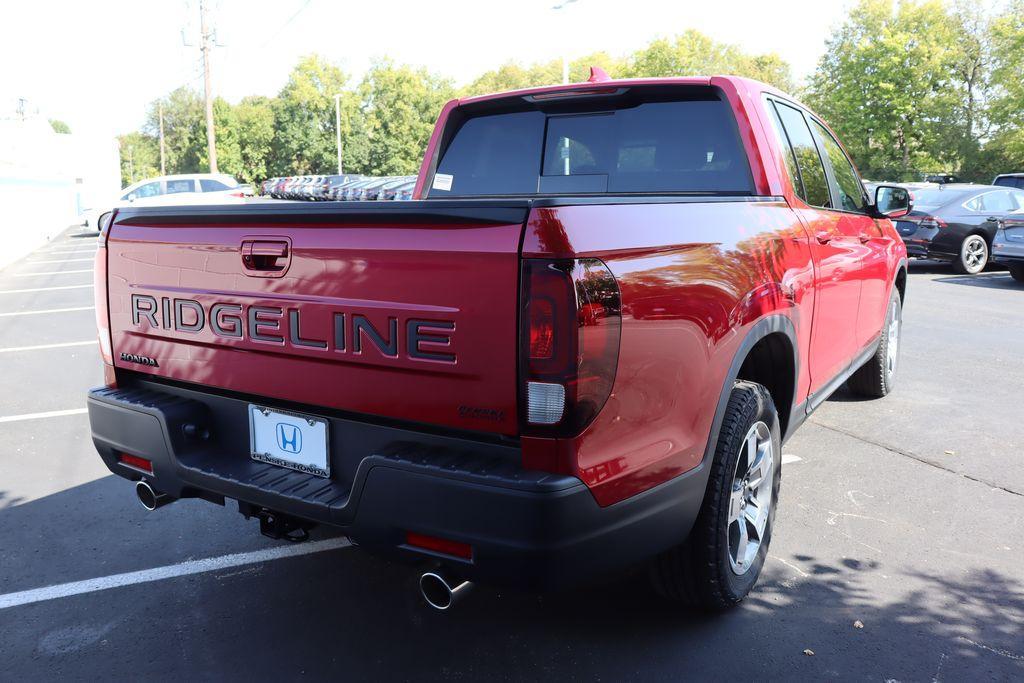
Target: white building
[[47, 179]]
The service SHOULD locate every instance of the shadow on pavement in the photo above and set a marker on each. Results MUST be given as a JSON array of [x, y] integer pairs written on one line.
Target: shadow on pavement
[[987, 280], [343, 612]]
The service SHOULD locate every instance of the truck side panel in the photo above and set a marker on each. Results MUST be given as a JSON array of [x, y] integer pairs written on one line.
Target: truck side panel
[[694, 277]]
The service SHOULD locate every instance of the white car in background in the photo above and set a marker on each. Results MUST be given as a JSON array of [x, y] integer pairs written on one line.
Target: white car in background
[[172, 190]]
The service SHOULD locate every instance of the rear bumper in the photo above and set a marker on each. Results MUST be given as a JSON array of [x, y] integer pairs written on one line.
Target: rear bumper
[[1007, 253], [526, 528]]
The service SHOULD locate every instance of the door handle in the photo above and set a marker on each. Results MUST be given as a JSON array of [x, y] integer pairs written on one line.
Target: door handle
[[265, 256], [824, 237], [864, 238], [992, 219]]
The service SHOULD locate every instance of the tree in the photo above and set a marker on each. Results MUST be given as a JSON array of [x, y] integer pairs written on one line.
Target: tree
[[886, 84], [694, 54], [60, 127], [511, 76], [254, 131], [184, 130], [400, 105], [1005, 148], [140, 157], [304, 116]]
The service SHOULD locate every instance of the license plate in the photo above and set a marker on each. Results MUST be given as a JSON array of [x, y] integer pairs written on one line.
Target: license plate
[[289, 440]]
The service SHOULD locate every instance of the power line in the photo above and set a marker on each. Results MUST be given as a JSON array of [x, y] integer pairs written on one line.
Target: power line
[[285, 24]]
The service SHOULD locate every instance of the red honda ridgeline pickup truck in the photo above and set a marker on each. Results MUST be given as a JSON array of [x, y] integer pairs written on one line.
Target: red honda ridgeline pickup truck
[[581, 347]]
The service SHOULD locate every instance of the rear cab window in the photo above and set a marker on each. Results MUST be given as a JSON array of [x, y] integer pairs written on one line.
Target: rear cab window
[[655, 141]]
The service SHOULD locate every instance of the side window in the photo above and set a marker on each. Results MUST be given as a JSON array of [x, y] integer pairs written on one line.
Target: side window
[[974, 204], [176, 186], [147, 190], [787, 150], [998, 201], [851, 191], [210, 185], [1018, 197], [808, 160]]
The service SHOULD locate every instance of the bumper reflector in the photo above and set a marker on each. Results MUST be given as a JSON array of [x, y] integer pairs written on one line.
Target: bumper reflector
[[136, 462], [439, 545]]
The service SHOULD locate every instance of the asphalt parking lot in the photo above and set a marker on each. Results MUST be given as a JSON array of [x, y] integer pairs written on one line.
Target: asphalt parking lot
[[897, 553]]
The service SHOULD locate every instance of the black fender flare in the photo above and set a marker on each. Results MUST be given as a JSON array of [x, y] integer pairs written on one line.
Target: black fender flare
[[770, 324]]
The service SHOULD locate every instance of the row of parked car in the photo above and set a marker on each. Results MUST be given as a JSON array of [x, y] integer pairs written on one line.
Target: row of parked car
[[334, 188], [967, 224]]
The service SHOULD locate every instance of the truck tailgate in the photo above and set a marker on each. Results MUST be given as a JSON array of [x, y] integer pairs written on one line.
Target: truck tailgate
[[404, 312]]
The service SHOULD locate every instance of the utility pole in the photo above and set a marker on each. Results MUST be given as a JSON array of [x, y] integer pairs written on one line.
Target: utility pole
[[206, 46], [163, 154], [337, 127]]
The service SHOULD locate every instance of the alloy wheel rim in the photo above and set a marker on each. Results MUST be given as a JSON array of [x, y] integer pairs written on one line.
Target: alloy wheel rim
[[975, 252], [893, 342], [750, 498]]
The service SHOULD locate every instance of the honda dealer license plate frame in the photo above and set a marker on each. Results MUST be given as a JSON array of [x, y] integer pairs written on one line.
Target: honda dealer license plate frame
[[284, 438]]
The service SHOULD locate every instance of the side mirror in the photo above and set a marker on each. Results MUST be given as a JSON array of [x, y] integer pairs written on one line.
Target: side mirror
[[892, 201], [131, 197]]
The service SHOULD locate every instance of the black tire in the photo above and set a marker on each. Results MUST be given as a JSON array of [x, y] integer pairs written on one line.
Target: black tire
[[1017, 271], [974, 254], [699, 571], [877, 376]]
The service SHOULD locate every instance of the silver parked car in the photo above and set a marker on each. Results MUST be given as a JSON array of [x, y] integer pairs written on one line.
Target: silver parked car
[[1008, 246]]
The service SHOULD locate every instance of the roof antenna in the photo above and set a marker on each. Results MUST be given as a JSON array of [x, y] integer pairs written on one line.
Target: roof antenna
[[597, 75]]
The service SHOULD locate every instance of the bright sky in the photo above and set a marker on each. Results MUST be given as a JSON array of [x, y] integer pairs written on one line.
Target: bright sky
[[98, 64]]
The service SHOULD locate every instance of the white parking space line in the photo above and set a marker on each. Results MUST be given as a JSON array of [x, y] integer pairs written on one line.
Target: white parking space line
[[39, 347], [66, 260], [41, 311], [43, 289], [210, 564], [788, 458], [48, 252], [53, 272], [41, 416]]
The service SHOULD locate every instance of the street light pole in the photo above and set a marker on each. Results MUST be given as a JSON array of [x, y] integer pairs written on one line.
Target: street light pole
[[337, 127], [163, 154], [565, 57]]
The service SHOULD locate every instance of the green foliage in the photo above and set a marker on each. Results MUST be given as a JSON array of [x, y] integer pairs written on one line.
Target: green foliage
[[184, 131], [60, 127], [1007, 97], [140, 157], [304, 140], [694, 54], [254, 130], [400, 105], [917, 86], [920, 85]]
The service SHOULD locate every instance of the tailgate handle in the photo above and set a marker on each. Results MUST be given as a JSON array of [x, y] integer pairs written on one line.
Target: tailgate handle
[[268, 256]]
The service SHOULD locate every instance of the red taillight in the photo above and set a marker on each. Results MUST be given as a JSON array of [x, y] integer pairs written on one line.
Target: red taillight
[[99, 292], [570, 344], [439, 545], [137, 462], [542, 329]]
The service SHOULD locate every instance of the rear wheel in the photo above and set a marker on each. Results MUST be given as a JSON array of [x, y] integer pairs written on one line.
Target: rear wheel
[[721, 560], [1017, 271], [973, 255], [877, 376]]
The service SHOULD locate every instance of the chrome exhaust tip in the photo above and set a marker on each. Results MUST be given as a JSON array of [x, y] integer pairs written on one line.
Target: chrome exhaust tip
[[150, 498], [441, 591]]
